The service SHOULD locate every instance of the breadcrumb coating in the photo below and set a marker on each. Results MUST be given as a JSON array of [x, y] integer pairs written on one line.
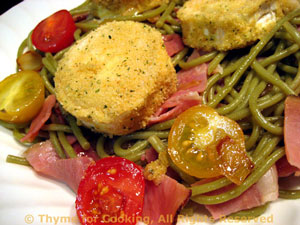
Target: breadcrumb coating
[[229, 24], [116, 77]]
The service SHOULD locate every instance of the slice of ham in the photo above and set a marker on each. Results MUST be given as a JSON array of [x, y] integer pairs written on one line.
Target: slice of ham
[[173, 43], [91, 153], [284, 168], [163, 202], [44, 159], [150, 155], [81, 16], [71, 139], [268, 186], [40, 119], [58, 116], [249, 199], [191, 83], [265, 190], [194, 79], [292, 130], [178, 103]]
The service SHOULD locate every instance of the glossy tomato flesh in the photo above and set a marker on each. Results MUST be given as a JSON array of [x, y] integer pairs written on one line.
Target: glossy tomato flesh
[[111, 192], [204, 144], [54, 33], [30, 60], [21, 96]]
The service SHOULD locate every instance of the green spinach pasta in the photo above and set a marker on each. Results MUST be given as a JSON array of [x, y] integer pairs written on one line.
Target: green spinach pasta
[[248, 86]]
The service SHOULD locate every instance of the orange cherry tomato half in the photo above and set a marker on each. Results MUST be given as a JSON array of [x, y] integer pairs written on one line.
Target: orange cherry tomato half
[[21, 96], [204, 144], [111, 192], [54, 33], [30, 60]]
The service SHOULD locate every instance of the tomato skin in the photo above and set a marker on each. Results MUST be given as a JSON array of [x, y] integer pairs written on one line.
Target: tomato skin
[[21, 96], [54, 33], [30, 60], [204, 144], [111, 188]]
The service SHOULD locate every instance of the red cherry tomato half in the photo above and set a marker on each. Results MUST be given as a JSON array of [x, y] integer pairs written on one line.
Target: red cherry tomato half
[[111, 193], [54, 33]]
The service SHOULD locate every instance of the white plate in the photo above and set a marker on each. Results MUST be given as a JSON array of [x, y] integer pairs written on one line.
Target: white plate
[[28, 198]]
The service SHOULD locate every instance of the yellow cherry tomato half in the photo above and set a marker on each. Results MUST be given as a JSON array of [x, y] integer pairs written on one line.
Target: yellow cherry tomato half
[[21, 96], [205, 144]]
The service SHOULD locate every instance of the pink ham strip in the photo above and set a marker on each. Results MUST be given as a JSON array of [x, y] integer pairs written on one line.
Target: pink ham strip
[[191, 82], [249, 199], [150, 155], [284, 168], [58, 115], [40, 119], [91, 153], [44, 159], [268, 186], [71, 139], [164, 201], [194, 79], [292, 130], [178, 103], [265, 190], [173, 43]]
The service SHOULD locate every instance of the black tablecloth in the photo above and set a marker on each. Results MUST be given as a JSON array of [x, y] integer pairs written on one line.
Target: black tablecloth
[[7, 4]]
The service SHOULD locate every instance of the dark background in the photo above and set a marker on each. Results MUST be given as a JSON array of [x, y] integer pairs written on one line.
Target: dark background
[[7, 4]]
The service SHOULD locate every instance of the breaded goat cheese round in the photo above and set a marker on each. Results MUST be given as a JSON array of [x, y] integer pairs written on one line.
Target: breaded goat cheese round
[[229, 24], [116, 77]]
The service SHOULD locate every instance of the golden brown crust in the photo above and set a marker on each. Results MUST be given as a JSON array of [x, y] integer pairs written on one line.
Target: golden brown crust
[[229, 24], [116, 77]]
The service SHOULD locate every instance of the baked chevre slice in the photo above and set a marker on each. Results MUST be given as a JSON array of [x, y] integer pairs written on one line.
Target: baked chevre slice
[[116, 77], [229, 24]]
